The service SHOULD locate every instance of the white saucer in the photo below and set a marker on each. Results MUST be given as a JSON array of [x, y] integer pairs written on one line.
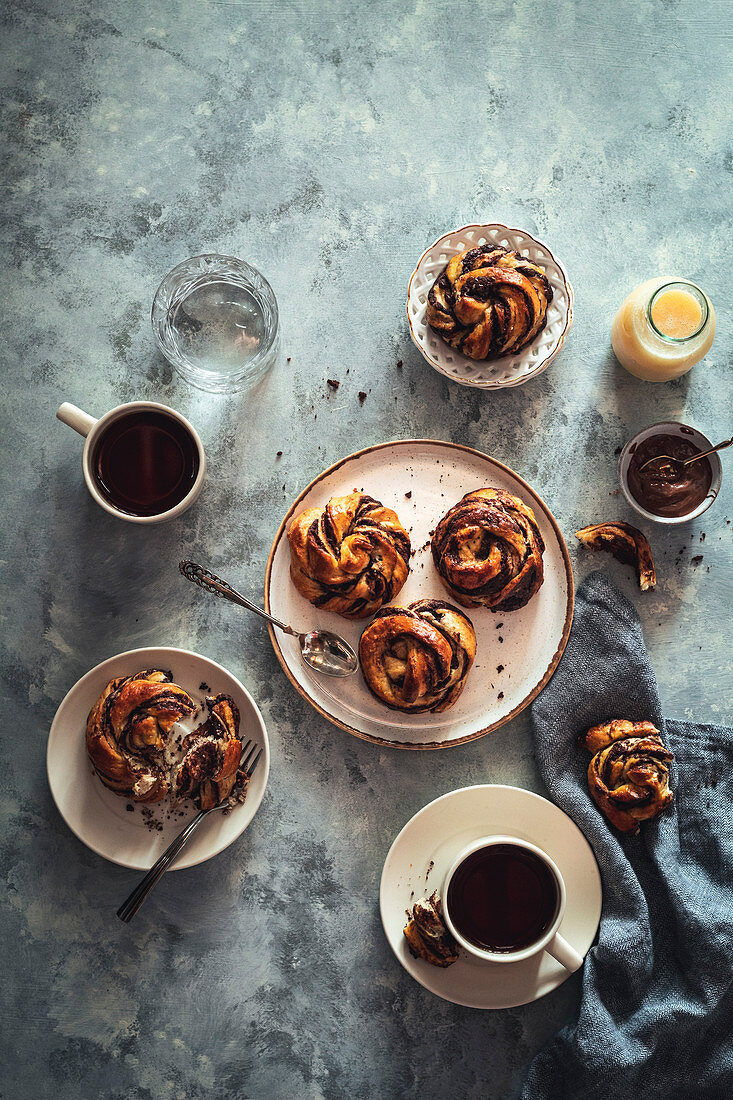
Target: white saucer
[[100, 818], [421, 856]]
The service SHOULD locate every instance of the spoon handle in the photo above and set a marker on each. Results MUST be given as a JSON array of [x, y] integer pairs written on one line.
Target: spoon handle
[[204, 578], [719, 447]]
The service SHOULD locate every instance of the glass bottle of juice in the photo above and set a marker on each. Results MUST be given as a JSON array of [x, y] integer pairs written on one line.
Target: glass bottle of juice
[[663, 328]]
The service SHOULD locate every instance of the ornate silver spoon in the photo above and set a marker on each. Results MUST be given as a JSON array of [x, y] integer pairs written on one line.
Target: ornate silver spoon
[[323, 651]]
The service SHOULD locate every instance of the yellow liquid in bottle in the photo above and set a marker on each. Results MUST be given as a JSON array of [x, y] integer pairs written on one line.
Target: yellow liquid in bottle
[[662, 329], [677, 314]]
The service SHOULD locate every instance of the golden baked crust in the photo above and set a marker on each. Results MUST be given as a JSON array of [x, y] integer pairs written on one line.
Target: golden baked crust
[[350, 557], [488, 302], [132, 744], [417, 658], [426, 933], [127, 730], [210, 768], [629, 773], [488, 551], [627, 544]]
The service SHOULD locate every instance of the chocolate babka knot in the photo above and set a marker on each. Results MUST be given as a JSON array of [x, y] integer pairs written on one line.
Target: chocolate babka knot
[[130, 741], [350, 557], [489, 301], [629, 773], [417, 658], [488, 550]]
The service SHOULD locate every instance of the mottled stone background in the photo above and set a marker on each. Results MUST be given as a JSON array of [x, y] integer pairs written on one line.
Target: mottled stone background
[[327, 143]]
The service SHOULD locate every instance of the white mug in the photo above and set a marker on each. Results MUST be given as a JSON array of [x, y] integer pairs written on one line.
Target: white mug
[[92, 428], [550, 940]]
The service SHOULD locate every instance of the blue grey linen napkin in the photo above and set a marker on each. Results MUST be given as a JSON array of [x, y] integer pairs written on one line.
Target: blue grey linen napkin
[[656, 1016]]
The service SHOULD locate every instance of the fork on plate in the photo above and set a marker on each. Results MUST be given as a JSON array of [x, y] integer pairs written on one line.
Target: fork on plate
[[251, 754]]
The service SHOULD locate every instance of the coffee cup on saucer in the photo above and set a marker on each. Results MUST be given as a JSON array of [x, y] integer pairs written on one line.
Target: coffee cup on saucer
[[504, 900], [142, 461]]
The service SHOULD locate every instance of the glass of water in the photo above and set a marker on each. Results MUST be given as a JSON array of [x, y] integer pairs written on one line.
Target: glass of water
[[215, 319]]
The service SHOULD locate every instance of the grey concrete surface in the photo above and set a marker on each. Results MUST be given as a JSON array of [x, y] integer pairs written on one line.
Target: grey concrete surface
[[327, 143]]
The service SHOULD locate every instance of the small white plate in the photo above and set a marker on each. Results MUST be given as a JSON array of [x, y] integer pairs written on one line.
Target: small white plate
[[489, 374], [99, 817], [516, 653], [422, 855]]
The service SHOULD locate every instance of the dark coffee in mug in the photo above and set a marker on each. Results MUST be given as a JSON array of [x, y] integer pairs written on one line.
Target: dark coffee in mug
[[145, 462], [503, 897]]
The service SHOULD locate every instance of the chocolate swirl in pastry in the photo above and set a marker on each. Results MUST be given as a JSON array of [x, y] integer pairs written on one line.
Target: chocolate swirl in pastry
[[426, 933], [131, 742], [627, 544], [629, 773], [127, 732], [350, 557], [488, 551], [489, 302], [417, 658], [210, 768]]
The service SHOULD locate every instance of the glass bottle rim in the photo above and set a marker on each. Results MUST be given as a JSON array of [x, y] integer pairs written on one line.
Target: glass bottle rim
[[700, 297]]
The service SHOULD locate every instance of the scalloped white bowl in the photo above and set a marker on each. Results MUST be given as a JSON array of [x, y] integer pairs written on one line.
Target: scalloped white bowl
[[489, 374]]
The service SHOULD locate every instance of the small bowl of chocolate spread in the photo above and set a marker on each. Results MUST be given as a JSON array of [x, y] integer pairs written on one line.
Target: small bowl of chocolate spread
[[668, 492]]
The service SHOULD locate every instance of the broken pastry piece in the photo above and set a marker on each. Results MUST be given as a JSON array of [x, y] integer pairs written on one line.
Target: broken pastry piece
[[629, 773], [426, 933], [210, 769], [627, 544]]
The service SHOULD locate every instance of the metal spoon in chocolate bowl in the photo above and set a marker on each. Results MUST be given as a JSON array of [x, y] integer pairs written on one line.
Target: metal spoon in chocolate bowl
[[670, 472], [321, 650], [680, 463]]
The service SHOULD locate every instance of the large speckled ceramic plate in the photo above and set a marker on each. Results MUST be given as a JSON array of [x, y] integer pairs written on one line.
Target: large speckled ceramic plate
[[422, 855], [516, 653], [99, 817]]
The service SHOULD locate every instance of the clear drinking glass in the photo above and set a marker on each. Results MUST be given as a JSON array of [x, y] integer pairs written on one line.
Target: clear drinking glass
[[215, 320]]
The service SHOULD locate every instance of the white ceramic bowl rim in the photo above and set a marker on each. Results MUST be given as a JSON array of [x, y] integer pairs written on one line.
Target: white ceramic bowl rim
[[515, 369], [114, 414], [539, 944], [671, 427]]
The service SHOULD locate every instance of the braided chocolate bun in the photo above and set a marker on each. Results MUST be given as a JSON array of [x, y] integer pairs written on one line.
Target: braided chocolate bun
[[417, 658], [350, 557], [488, 551], [127, 732], [132, 744], [488, 302], [629, 773], [627, 544]]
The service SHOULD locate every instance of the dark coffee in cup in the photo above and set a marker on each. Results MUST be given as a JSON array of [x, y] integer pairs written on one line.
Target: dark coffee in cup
[[503, 897], [145, 462]]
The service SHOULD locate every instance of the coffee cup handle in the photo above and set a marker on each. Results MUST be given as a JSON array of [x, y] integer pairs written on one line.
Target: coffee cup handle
[[561, 950], [76, 418]]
